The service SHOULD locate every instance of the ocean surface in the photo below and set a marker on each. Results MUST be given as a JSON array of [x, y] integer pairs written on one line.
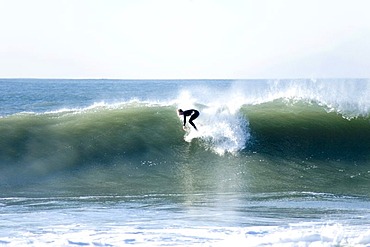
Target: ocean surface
[[107, 163]]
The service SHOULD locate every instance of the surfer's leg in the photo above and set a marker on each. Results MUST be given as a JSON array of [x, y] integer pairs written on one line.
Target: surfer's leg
[[194, 116], [192, 124]]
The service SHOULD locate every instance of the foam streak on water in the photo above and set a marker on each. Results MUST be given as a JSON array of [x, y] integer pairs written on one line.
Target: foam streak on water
[[68, 221]]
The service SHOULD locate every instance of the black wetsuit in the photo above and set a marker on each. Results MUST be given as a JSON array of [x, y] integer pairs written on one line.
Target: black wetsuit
[[193, 113]]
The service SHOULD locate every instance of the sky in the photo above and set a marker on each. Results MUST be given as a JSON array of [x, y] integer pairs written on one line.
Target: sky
[[184, 39]]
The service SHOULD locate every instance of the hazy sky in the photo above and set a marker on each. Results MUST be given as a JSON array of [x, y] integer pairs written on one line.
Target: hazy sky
[[184, 39]]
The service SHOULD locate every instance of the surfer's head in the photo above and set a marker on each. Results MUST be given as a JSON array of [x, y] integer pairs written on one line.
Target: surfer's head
[[180, 111]]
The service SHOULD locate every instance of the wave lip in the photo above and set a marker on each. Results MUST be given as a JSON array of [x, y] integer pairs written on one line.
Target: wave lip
[[349, 97]]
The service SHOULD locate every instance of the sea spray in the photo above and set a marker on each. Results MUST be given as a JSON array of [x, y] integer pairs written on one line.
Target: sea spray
[[350, 98], [221, 126], [221, 131]]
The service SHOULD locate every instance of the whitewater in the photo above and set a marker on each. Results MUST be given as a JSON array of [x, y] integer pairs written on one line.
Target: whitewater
[[107, 163]]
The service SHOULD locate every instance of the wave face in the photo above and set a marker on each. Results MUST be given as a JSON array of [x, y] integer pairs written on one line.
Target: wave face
[[42, 143], [242, 123], [308, 130]]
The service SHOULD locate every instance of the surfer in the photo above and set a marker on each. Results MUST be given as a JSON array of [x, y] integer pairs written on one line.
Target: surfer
[[193, 115]]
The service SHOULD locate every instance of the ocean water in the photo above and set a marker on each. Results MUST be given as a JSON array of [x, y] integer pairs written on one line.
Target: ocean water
[[107, 163]]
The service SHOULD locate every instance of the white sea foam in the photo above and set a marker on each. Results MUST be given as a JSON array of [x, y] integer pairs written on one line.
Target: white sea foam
[[220, 124], [221, 130], [304, 234]]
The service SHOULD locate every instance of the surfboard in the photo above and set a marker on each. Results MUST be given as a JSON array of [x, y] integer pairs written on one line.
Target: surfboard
[[191, 133]]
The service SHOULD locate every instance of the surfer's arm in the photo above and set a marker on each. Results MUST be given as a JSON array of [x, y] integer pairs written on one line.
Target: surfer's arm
[[184, 120]]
